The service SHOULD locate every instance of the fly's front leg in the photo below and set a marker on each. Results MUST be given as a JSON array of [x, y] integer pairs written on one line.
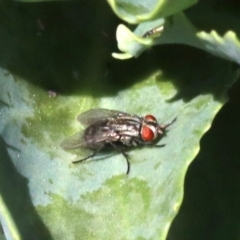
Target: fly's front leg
[[156, 145], [149, 144], [121, 150]]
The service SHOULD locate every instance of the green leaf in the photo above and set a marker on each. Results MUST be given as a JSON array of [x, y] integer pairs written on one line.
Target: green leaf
[[222, 41], [227, 47], [42, 193], [135, 11], [177, 31], [97, 193], [214, 178]]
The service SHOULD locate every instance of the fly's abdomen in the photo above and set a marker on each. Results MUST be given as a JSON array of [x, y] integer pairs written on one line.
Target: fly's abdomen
[[100, 134]]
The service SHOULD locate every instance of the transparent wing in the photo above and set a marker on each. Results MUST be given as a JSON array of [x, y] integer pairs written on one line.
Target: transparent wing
[[94, 115], [78, 141], [74, 141]]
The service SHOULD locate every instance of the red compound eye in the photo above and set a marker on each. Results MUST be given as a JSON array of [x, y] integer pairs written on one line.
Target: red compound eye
[[147, 134], [150, 118]]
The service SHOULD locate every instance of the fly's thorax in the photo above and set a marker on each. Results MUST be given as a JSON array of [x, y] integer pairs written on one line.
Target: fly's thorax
[[126, 128], [150, 128]]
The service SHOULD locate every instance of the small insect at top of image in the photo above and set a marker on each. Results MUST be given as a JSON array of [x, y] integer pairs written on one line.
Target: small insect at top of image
[[154, 32], [115, 129]]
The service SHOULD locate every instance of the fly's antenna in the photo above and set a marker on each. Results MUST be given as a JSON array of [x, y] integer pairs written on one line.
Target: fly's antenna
[[164, 126]]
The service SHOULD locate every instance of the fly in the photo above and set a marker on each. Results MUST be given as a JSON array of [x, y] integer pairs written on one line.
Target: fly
[[114, 129], [154, 32]]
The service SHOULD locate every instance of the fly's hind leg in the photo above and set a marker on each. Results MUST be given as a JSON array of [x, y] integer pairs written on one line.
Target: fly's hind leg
[[88, 157], [121, 150]]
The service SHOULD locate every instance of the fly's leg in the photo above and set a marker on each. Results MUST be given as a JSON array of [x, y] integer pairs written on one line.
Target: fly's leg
[[156, 145], [121, 150], [161, 127], [90, 156], [126, 157], [149, 144]]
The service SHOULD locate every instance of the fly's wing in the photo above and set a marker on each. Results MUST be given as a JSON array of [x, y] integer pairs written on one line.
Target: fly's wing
[[78, 141], [99, 114], [74, 141]]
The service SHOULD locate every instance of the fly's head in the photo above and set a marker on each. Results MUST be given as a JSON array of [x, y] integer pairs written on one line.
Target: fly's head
[[151, 129]]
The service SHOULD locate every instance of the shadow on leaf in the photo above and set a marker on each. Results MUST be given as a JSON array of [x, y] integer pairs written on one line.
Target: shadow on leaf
[[15, 194]]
